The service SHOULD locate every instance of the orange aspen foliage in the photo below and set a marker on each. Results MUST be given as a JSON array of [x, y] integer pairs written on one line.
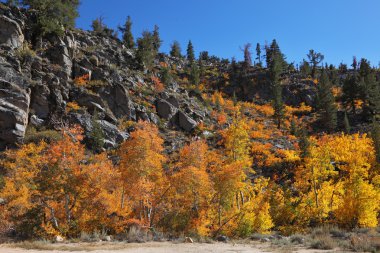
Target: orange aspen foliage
[[158, 85], [52, 190], [141, 171]]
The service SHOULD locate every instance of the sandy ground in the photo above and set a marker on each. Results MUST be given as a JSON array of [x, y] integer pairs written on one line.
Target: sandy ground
[[154, 247]]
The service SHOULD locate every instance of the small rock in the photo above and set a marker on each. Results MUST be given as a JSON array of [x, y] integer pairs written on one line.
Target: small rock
[[222, 238], [265, 240], [189, 240], [107, 238], [35, 121], [2, 201], [59, 238]]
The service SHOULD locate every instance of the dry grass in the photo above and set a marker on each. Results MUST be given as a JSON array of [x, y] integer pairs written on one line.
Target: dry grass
[[324, 242], [48, 246]]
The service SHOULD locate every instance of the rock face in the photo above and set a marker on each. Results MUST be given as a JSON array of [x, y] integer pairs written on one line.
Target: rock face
[[185, 122], [165, 109], [14, 109], [10, 33]]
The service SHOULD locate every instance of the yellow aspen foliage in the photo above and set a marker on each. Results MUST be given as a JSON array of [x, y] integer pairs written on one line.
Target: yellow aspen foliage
[[236, 143], [141, 171], [354, 155], [313, 180]]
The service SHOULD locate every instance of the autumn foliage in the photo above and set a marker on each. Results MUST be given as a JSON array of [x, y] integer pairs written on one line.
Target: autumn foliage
[[62, 189]]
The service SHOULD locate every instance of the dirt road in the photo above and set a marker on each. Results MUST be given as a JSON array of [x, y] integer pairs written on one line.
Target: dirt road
[[151, 247]]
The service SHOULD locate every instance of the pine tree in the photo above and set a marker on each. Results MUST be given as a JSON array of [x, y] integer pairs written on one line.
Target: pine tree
[[98, 25], [194, 74], [375, 135], [128, 39], [293, 127], [96, 135], [326, 107], [275, 64], [351, 91], [146, 52], [258, 54], [190, 52], [347, 127], [304, 142], [314, 59], [274, 50], [53, 15], [305, 68], [166, 77], [370, 90], [175, 50], [156, 39]]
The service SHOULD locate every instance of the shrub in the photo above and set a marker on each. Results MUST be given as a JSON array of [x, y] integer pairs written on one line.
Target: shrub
[[323, 242], [32, 135], [82, 80]]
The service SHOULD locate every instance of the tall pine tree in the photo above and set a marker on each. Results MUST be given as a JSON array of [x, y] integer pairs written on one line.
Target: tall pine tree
[[275, 64], [128, 39], [190, 52], [175, 50], [326, 108]]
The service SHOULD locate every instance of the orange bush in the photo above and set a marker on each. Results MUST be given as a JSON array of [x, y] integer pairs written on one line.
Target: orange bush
[[82, 80]]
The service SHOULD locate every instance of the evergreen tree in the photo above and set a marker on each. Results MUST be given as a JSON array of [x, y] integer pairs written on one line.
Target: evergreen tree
[[146, 52], [156, 39], [304, 143], [258, 54], [204, 56], [234, 98], [128, 39], [96, 135], [305, 68], [326, 107], [347, 127], [370, 90], [274, 50], [53, 15], [98, 25], [194, 74], [175, 50], [100, 28], [351, 89], [375, 135], [190, 52], [293, 127], [314, 59], [275, 69], [166, 77]]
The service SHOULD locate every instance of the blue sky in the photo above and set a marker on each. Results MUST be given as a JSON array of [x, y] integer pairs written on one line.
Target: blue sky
[[339, 29]]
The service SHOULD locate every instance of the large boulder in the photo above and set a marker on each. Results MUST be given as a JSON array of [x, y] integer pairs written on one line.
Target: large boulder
[[14, 109], [165, 109], [185, 122], [10, 33], [118, 101]]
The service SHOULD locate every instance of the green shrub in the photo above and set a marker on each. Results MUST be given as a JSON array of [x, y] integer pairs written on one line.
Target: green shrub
[[32, 135]]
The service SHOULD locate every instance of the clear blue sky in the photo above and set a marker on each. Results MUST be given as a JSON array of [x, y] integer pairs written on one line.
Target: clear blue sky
[[339, 29]]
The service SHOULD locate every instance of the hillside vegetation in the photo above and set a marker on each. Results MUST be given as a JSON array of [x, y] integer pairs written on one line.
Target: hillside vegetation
[[102, 132]]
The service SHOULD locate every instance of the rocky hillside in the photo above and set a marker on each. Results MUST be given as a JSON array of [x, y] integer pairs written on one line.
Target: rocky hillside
[[41, 88], [85, 78]]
